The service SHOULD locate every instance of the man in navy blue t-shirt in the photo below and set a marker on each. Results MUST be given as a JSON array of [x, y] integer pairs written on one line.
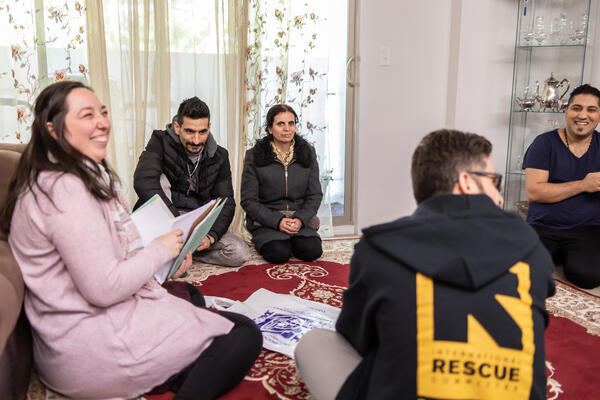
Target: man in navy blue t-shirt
[[562, 177]]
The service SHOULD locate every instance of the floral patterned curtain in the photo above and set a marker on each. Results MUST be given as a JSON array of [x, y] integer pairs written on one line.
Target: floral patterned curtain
[[287, 62], [41, 42]]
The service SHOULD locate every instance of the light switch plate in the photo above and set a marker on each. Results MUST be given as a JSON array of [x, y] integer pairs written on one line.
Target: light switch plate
[[385, 56]]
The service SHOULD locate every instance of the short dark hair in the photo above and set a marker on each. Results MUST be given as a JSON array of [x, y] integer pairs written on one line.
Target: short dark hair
[[441, 156], [193, 108], [276, 110], [584, 89]]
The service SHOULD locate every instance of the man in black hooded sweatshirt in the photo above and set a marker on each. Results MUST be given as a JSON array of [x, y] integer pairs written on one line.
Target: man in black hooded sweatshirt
[[448, 303]]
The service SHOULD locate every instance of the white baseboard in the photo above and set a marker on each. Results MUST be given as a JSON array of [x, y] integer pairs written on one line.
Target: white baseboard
[[344, 230]]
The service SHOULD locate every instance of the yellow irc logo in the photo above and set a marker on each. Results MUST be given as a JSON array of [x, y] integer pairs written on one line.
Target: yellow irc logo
[[478, 368]]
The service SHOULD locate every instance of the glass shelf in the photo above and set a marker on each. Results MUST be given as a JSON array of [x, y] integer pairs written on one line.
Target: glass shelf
[[534, 65], [538, 112], [550, 46]]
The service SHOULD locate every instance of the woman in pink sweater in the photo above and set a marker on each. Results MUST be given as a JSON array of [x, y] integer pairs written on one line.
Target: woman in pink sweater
[[102, 326]]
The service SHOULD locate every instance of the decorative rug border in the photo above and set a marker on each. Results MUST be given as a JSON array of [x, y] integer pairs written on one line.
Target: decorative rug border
[[584, 291], [577, 305]]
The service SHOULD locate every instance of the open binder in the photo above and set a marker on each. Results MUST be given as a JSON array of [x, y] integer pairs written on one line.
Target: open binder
[[153, 219]]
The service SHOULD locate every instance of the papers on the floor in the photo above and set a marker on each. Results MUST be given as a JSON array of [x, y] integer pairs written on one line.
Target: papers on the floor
[[282, 318], [154, 219]]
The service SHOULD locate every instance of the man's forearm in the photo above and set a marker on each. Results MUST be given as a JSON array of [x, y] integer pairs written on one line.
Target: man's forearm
[[546, 192]]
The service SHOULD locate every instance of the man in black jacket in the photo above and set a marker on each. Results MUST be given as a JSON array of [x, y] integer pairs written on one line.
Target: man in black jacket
[[186, 167], [448, 303]]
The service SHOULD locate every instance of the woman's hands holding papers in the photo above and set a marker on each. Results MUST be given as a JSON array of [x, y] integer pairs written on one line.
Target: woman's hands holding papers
[[187, 262], [173, 240]]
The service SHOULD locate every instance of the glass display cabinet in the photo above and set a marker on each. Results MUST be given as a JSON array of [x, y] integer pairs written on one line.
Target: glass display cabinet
[[552, 42]]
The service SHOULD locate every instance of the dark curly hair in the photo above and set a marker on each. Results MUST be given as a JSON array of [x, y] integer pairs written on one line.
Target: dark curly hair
[[193, 108], [441, 156]]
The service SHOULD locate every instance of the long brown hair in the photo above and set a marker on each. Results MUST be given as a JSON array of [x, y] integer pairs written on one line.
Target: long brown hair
[[46, 153]]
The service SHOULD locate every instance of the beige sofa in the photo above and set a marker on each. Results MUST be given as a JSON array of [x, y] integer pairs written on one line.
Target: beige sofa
[[15, 334]]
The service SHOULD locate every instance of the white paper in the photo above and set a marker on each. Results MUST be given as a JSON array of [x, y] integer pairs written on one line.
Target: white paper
[[185, 221], [154, 219], [282, 318]]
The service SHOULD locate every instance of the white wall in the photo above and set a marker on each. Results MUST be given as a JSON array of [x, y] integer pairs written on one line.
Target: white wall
[[451, 66], [485, 72]]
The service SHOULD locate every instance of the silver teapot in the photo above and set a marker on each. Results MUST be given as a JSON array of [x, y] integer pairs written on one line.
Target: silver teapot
[[563, 104], [526, 103], [550, 98]]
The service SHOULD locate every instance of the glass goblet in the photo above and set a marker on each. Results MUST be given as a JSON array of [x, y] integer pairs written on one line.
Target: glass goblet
[[527, 37], [540, 37]]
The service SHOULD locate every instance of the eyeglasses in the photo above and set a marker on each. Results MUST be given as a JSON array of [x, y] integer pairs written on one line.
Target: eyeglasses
[[496, 178]]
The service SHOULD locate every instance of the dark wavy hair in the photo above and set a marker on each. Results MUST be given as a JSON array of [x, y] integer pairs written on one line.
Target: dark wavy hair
[[51, 106], [441, 156], [193, 108], [276, 110]]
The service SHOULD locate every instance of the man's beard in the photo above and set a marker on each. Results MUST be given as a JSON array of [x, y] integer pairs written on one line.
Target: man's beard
[[197, 150]]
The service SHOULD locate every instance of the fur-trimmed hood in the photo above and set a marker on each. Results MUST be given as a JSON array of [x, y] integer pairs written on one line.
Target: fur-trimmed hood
[[264, 155]]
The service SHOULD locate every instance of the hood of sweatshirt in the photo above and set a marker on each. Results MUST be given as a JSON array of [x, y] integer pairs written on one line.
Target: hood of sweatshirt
[[449, 238]]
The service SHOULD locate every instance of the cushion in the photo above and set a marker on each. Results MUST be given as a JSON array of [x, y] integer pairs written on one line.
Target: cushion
[[8, 164]]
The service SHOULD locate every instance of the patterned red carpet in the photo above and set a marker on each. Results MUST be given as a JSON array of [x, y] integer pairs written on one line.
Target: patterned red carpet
[[573, 344], [572, 338], [273, 376]]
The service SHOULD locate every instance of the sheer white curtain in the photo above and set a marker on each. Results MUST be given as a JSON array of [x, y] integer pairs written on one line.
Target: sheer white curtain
[[207, 60], [129, 51], [287, 62]]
